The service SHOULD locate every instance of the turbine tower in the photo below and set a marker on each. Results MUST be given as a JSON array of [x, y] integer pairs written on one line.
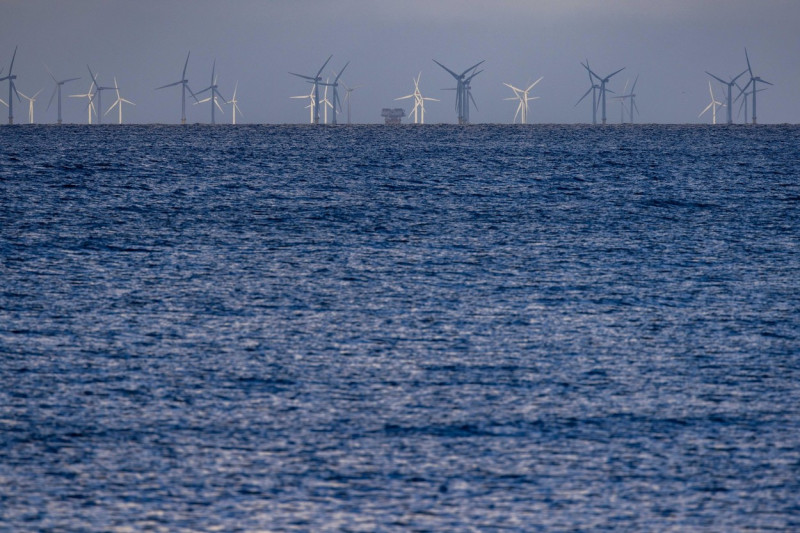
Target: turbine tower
[[31, 100], [730, 85], [753, 80], [522, 96], [463, 94], [419, 101], [88, 95], [234, 103], [712, 106], [213, 94], [119, 101], [98, 92], [184, 83], [12, 88], [315, 80], [57, 90], [603, 82]]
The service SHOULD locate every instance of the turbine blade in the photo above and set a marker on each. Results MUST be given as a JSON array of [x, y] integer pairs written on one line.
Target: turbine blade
[[614, 73], [584, 96], [336, 80], [302, 76], [748, 62], [472, 67], [186, 64], [720, 79], [11, 68], [323, 66], [168, 85], [447, 69], [534, 83], [55, 90]]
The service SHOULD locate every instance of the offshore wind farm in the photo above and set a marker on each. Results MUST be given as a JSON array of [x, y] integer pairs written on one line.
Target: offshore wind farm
[[425, 278]]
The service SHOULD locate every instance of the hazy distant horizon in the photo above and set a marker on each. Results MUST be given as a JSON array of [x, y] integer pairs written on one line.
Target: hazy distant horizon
[[144, 44]]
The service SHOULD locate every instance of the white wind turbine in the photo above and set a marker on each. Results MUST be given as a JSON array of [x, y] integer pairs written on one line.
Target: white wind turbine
[[522, 96], [91, 107], [31, 100], [347, 97], [419, 101], [234, 102], [712, 106], [184, 83], [213, 94], [119, 101], [57, 90], [325, 102]]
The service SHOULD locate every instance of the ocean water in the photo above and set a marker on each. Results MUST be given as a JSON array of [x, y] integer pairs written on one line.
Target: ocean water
[[439, 328]]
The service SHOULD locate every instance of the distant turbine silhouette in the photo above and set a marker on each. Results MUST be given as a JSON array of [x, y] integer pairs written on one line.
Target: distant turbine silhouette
[[603, 82], [315, 80], [463, 94], [592, 89], [730, 85], [98, 93], [628, 96], [12, 88], [337, 103], [184, 83], [311, 104], [347, 97], [753, 80], [57, 90], [213, 94]]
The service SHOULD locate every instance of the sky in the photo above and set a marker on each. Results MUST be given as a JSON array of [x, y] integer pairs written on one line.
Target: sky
[[144, 43]]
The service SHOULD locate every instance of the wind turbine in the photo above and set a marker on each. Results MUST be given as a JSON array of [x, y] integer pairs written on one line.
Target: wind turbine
[[419, 101], [730, 85], [712, 106], [12, 88], [234, 102], [522, 96], [31, 100], [98, 92], [57, 89], [325, 102], [463, 94], [88, 95], [347, 97], [603, 82], [753, 80], [625, 96], [746, 94], [119, 101], [184, 83], [592, 89], [213, 94], [337, 103], [315, 80]]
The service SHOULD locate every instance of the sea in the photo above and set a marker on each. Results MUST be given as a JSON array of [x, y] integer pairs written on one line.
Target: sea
[[413, 328]]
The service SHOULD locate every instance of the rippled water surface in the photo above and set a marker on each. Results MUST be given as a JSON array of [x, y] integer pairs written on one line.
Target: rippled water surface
[[368, 328]]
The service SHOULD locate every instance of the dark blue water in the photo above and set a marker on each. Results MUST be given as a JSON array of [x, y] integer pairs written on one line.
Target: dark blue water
[[368, 328]]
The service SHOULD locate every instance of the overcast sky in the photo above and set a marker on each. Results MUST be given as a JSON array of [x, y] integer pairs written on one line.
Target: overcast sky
[[668, 44]]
